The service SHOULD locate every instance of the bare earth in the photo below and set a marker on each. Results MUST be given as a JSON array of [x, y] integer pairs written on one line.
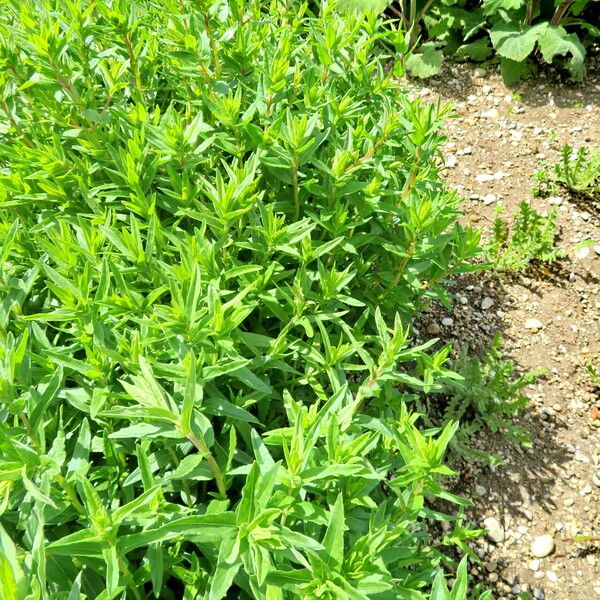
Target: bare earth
[[511, 133]]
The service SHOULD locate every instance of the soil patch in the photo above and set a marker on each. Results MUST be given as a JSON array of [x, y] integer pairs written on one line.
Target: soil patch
[[510, 134]]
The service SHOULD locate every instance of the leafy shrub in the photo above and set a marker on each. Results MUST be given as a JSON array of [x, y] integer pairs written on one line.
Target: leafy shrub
[[531, 237], [218, 220], [579, 170], [552, 31]]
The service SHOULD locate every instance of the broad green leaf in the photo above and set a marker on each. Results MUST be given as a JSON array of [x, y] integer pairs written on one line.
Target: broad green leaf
[[555, 41], [491, 7], [426, 62], [515, 41]]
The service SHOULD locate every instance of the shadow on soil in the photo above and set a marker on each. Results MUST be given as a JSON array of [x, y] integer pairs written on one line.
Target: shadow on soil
[[524, 476]]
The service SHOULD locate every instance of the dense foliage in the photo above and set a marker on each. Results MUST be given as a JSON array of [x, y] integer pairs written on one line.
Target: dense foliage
[[217, 222], [553, 32]]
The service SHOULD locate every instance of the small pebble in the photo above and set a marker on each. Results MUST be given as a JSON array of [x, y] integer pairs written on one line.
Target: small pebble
[[487, 303], [494, 529], [480, 491], [447, 322], [534, 324], [490, 114], [542, 546], [551, 576], [534, 565], [433, 328], [484, 177], [582, 253]]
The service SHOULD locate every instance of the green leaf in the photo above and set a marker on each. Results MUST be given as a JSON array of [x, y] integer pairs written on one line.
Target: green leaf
[[425, 63], [479, 50], [491, 7], [12, 578], [515, 41], [82, 543], [513, 71], [459, 589], [333, 542], [377, 6], [555, 41], [439, 589]]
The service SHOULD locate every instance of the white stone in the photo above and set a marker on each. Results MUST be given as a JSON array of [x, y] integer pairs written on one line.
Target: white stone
[[551, 576], [534, 565], [447, 322], [534, 324], [542, 546], [582, 253], [480, 491], [451, 161], [494, 529], [489, 199], [492, 113], [486, 303], [484, 177]]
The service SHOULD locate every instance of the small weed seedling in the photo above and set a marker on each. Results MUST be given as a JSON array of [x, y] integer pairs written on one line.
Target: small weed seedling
[[531, 237]]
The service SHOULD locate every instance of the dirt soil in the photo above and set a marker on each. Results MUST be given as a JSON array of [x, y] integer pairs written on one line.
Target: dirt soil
[[499, 139]]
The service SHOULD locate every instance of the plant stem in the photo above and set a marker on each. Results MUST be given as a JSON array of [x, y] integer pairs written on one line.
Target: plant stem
[[214, 46], [296, 190], [560, 12], [531, 7], [203, 449], [133, 63], [424, 9]]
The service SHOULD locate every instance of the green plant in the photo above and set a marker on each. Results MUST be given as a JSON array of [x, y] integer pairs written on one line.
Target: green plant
[[544, 184], [218, 222], [579, 171], [488, 396], [554, 32], [531, 237]]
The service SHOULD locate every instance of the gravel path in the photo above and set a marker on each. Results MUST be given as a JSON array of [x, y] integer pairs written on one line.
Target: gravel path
[[538, 499]]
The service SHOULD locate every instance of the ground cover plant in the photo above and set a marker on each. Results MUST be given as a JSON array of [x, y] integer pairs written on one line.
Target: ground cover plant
[[514, 32], [579, 170], [530, 237], [217, 222]]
